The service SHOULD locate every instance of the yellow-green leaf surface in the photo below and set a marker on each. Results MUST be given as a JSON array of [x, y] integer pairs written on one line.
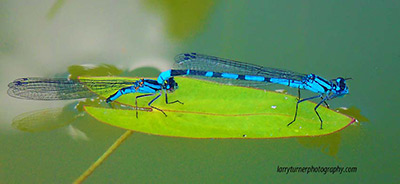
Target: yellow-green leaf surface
[[213, 110]]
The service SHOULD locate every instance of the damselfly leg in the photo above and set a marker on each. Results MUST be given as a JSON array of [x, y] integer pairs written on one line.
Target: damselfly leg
[[166, 100], [299, 100], [149, 104], [326, 104], [315, 109], [140, 96]]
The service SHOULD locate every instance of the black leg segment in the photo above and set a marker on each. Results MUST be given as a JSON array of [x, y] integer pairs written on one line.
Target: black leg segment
[[149, 104], [166, 100], [316, 107], [326, 104], [297, 105], [140, 96]]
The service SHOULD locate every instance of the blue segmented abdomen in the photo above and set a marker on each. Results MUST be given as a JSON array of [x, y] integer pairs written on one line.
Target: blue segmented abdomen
[[171, 73], [140, 86], [221, 75], [120, 92], [227, 71], [252, 78]]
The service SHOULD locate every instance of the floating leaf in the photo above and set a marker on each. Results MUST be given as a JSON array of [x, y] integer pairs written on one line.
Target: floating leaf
[[213, 110]]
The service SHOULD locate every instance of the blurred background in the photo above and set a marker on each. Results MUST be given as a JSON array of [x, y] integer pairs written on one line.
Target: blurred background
[[54, 142]]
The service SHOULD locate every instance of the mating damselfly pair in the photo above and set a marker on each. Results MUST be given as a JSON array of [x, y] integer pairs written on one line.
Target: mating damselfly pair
[[187, 64]]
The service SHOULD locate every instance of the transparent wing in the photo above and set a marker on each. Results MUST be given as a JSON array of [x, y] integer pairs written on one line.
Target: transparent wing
[[60, 88], [194, 61]]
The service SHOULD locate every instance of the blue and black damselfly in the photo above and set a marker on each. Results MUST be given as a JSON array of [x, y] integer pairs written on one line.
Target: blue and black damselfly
[[245, 74], [66, 89]]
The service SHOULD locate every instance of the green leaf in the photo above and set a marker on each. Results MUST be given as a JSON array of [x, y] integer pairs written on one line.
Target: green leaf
[[213, 110]]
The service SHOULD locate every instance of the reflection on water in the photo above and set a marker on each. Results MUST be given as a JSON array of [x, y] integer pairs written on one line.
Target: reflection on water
[[147, 72], [93, 70], [353, 112], [46, 119], [183, 18], [328, 144], [55, 9], [53, 118], [50, 119]]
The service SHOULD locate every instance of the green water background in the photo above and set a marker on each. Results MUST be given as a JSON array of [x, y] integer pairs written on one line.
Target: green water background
[[358, 39]]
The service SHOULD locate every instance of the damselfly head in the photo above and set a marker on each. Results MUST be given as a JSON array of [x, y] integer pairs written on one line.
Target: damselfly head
[[341, 87], [170, 85]]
